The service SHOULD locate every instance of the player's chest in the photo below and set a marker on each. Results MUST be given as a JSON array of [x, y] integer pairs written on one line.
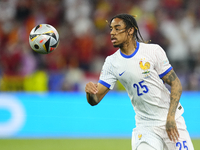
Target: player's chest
[[135, 69]]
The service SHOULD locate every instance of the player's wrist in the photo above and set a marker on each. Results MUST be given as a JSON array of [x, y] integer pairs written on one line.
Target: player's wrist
[[170, 117], [92, 99]]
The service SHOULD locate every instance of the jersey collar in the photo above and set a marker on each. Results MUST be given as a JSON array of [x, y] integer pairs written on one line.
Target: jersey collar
[[129, 56]]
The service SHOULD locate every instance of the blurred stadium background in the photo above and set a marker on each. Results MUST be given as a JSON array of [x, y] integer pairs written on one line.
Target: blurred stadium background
[[42, 99]]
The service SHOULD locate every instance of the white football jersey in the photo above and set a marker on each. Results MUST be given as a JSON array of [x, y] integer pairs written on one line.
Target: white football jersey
[[140, 73]]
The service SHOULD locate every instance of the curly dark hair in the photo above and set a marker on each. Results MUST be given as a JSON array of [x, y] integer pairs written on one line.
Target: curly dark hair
[[130, 22]]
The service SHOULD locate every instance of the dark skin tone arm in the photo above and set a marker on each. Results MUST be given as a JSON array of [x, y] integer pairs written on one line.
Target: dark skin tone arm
[[176, 91], [95, 92]]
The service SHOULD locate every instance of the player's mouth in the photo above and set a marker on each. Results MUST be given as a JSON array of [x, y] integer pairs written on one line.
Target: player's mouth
[[113, 40]]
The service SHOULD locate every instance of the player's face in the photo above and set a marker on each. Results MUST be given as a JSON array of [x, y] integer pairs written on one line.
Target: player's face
[[118, 32]]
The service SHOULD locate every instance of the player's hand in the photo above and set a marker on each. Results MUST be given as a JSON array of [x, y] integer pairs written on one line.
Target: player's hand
[[171, 129], [91, 88]]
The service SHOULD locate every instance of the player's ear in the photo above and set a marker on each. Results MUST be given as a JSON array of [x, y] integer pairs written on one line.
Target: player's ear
[[131, 31]]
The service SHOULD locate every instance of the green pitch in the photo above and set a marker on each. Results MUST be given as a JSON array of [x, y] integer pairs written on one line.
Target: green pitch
[[71, 144]]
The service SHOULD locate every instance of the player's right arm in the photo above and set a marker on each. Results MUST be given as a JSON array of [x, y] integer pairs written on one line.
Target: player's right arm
[[95, 92]]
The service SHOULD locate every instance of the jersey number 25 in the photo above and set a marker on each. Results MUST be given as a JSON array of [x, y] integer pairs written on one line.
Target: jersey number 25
[[141, 88]]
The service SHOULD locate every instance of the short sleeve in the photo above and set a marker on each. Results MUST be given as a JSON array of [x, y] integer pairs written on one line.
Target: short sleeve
[[162, 65], [107, 77]]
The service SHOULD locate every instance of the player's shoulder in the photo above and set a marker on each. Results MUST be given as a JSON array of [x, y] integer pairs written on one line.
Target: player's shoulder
[[151, 46], [113, 56]]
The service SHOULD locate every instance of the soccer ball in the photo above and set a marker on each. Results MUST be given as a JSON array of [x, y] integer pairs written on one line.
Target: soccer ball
[[44, 38]]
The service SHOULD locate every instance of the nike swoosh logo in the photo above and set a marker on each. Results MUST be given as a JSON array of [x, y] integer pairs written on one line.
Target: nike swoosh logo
[[120, 74]]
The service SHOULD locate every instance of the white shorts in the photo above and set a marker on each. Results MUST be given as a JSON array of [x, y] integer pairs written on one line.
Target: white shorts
[[157, 137]]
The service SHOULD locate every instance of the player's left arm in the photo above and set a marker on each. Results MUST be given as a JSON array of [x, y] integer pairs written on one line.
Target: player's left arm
[[176, 91]]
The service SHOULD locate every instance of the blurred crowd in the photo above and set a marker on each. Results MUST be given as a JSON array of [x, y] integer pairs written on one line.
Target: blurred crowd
[[85, 40]]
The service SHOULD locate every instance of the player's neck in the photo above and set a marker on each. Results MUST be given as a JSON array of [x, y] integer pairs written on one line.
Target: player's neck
[[128, 48]]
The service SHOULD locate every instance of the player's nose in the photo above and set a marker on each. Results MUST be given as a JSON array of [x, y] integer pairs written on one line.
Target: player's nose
[[112, 32]]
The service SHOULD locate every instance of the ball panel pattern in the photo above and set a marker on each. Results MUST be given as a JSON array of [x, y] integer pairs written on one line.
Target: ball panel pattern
[[44, 38]]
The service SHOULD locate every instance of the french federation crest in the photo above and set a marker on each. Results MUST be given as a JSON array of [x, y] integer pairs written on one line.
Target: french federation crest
[[145, 66], [139, 136]]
